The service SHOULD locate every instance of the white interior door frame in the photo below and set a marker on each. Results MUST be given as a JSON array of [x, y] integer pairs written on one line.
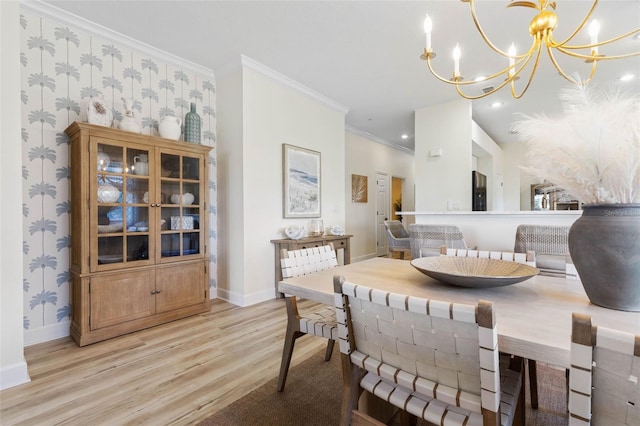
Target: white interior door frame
[[382, 212]]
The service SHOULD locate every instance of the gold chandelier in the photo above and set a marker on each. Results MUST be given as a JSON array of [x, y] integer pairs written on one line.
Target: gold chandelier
[[541, 29]]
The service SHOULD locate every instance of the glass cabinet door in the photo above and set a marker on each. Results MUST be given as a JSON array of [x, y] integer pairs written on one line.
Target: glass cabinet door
[[122, 205], [181, 205]]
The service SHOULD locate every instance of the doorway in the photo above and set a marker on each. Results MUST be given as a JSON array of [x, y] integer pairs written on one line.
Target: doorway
[[382, 212], [396, 197]]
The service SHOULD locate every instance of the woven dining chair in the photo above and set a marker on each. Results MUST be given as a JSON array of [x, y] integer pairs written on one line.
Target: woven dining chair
[[426, 240], [436, 360], [604, 375], [551, 245], [397, 237], [528, 258], [321, 323]]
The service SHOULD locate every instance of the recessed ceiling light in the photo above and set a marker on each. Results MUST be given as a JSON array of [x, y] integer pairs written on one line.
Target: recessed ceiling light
[[404, 136], [627, 77], [496, 104], [480, 78]]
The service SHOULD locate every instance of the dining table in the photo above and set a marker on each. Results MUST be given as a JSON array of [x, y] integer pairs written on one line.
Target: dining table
[[533, 316]]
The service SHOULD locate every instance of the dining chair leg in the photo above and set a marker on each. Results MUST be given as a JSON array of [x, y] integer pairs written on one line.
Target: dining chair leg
[[292, 333], [327, 355], [351, 390], [520, 416], [287, 352], [566, 375], [533, 382]]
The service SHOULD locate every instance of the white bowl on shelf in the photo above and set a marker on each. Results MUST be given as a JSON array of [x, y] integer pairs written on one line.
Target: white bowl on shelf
[[108, 193], [185, 199], [295, 232]]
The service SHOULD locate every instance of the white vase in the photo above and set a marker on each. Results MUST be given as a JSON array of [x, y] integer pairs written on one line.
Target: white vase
[[129, 124], [169, 127], [141, 165]]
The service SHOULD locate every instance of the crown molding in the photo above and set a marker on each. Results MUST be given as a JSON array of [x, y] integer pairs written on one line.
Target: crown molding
[[376, 139], [249, 63], [47, 10]]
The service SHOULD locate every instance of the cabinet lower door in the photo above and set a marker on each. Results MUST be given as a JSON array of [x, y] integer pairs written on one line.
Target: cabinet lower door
[[180, 286], [118, 298]]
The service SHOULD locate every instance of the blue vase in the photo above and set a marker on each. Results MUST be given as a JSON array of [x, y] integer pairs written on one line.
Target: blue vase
[[192, 125]]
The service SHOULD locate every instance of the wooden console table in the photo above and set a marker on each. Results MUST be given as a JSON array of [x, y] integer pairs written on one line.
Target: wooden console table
[[339, 242]]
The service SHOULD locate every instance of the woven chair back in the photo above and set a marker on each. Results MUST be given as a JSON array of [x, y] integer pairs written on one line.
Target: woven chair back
[[528, 258], [295, 263], [604, 376], [443, 353], [424, 237], [396, 228], [542, 239]]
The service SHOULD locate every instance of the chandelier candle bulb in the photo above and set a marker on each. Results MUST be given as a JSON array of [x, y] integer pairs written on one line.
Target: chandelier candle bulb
[[428, 26], [512, 59], [594, 29], [456, 60]]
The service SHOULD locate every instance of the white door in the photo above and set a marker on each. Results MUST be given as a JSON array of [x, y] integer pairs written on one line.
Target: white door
[[382, 212]]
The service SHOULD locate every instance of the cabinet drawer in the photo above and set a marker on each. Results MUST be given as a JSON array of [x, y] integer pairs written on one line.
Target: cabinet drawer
[[309, 244]]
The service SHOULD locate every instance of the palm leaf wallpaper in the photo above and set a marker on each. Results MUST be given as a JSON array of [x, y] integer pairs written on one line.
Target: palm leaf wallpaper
[[62, 69]]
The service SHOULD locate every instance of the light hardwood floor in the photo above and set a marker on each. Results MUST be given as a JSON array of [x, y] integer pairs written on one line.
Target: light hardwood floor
[[173, 374]]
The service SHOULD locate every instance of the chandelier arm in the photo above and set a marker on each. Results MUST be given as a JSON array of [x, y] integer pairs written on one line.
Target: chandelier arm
[[481, 31], [582, 24], [435, 74], [563, 74], [533, 71], [596, 58], [508, 80], [495, 89], [602, 43], [471, 82]]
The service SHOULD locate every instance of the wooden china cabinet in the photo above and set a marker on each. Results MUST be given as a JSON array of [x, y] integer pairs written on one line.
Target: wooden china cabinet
[[139, 231]]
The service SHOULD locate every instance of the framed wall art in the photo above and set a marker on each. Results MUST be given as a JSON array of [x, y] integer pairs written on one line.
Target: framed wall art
[[301, 182], [359, 189]]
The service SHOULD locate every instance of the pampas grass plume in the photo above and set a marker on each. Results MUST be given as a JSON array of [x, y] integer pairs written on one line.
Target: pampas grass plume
[[592, 150]]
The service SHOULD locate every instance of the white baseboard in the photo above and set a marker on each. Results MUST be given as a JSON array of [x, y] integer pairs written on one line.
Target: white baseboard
[[44, 334], [14, 375], [246, 300]]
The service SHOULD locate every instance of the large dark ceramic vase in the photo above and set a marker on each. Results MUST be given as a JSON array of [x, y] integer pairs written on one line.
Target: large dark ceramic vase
[[605, 248]]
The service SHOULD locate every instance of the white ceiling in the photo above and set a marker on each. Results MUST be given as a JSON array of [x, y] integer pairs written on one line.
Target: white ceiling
[[365, 54]]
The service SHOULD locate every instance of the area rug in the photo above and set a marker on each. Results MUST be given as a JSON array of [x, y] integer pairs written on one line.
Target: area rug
[[312, 397]]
